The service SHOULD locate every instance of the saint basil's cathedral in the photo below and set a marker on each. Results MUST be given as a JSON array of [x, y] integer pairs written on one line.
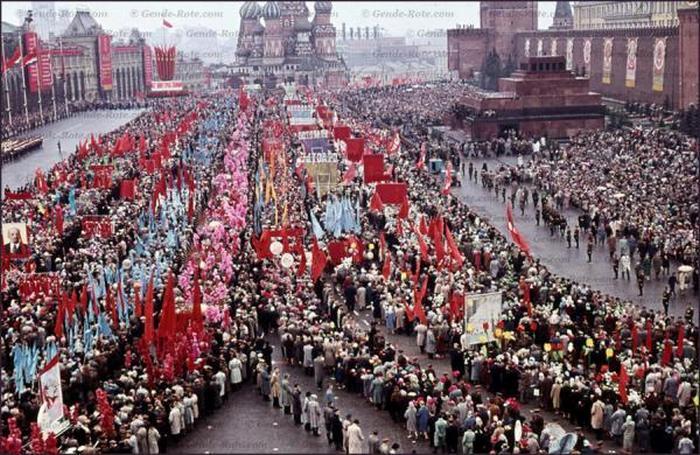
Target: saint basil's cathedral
[[287, 46]]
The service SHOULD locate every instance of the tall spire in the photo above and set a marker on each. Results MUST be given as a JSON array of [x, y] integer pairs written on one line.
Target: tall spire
[[563, 18]]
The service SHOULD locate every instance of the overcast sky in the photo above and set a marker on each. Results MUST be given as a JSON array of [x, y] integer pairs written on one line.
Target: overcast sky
[[397, 18]]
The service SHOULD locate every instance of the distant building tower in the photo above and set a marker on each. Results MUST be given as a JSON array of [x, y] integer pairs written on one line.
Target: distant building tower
[[250, 24], [273, 53], [290, 46], [563, 17], [323, 32]]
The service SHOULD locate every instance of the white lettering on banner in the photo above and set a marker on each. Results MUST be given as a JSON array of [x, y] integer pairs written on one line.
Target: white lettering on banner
[[160, 86], [324, 157], [478, 310], [313, 134]]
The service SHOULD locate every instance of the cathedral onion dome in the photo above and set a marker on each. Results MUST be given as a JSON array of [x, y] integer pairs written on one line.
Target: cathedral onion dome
[[250, 10], [271, 10], [323, 7]]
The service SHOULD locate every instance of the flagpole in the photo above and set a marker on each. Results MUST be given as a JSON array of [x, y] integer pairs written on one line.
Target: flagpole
[[24, 82], [63, 74], [38, 80], [53, 95], [7, 90]]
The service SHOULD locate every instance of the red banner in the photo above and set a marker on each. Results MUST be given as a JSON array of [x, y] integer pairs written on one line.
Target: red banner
[[127, 189], [147, 65], [104, 51], [39, 283], [341, 132], [374, 167], [392, 193], [96, 226], [355, 148], [149, 166], [45, 72], [18, 196], [103, 176], [31, 47]]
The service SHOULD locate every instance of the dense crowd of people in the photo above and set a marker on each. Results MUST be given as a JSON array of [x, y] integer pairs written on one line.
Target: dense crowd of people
[[626, 184], [224, 294], [150, 234]]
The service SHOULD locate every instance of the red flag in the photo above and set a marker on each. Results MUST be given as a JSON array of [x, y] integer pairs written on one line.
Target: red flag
[[456, 305], [649, 335], [409, 312], [148, 334], [418, 303], [302, 264], [127, 189], [423, 227], [681, 337], [167, 24], [72, 304], [403, 210], [59, 219], [399, 227], [386, 269], [421, 244], [635, 337], [622, 383], [668, 351], [376, 203], [12, 61], [197, 317], [318, 261], [166, 327], [454, 249], [142, 146], [350, 174], [262, 245], [436, 231], [515, 235]]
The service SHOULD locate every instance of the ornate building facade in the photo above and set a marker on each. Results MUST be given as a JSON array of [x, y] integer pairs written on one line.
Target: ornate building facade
[[615, 14], [84, 64], [631, 51], [288, 47]]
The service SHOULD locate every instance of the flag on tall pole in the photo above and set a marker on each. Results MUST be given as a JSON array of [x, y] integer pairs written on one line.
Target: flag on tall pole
[[515, 234]]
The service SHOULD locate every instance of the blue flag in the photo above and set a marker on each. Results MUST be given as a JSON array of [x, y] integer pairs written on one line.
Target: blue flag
[[316, 226]]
